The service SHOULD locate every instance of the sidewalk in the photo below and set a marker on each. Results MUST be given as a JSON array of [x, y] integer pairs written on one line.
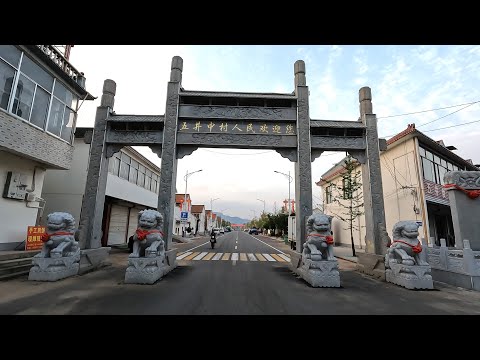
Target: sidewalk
[[341, 252], [345, 253]]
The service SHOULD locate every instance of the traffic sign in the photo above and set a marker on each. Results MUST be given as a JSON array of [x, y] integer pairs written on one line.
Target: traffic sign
[[184, 215]]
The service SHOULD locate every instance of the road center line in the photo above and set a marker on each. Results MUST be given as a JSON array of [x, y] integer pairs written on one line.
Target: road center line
[[267, 244], [235, 247]]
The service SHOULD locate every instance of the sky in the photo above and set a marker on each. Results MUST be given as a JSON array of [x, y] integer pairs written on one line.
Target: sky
[[403, 79]]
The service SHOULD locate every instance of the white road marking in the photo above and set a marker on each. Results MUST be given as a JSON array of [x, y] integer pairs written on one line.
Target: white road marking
[[252, 257], [235, 247], [268, 257], [208, 242], [218, 256], [268, 244], [184, 255], [200, 256], [235, 256], [285, 257], [234, 262]]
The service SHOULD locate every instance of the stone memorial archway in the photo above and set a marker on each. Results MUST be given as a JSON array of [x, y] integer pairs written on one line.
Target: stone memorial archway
[[196, 119]]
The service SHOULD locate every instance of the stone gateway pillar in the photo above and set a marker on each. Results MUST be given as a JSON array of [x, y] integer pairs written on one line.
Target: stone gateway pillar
[[303, 165], [168, 173], [90, 224], [464, 194], [372, 261]]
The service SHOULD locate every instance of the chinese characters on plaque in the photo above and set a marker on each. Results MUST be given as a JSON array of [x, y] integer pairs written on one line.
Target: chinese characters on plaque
[[34, 235], [236, 127]]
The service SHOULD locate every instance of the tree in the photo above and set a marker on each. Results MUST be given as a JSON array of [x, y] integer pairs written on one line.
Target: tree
[[350, 196]]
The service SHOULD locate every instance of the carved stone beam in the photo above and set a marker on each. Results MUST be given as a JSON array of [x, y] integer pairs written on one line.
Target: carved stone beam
[[290, 154], [185, 150]]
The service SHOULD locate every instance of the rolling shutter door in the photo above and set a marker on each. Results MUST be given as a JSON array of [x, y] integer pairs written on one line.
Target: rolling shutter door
[[132, 225], [118, 225]]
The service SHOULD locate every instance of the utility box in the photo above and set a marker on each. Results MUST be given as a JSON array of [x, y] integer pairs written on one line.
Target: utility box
[[15, 186]]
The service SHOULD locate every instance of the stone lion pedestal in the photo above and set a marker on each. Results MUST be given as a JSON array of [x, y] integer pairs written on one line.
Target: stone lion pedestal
[[149, 270], [410, 277], [53, 269], [405, 262], [60, 255], [320, 273], [319, 269], [149, 261]]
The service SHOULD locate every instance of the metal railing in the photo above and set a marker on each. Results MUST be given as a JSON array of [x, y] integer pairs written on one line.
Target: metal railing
[[58, 58]]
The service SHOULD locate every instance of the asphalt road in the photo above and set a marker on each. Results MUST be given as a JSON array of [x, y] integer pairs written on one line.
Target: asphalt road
[[228, 287]]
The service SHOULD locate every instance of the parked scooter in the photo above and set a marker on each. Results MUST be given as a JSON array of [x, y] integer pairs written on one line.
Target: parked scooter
[[213, 240]]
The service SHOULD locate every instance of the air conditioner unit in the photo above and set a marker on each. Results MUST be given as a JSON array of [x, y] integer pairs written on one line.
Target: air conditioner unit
[[15, 186]]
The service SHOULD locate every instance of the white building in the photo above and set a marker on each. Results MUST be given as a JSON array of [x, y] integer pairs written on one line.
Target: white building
[[413, 167], [132, 185], [198, 211], [40, 94]]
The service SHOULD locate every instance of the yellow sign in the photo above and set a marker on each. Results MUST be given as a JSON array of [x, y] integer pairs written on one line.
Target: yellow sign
[[34, 241]]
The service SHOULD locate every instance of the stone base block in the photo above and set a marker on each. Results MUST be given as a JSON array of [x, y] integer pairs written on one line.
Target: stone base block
[[295, 260], [371, 264], [149, 270], [320, 273], [410, 276], [92, 259], [456, 279], [53, 269]]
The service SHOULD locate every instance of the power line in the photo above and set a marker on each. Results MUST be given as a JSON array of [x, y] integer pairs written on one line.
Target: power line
[[444, 116], [423, 111], [447, 127]]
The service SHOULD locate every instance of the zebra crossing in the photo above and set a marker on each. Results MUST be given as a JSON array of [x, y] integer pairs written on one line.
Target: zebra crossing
[[212, 256]]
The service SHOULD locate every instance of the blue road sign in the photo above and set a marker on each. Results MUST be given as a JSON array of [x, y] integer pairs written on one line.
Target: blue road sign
[[184, 215]]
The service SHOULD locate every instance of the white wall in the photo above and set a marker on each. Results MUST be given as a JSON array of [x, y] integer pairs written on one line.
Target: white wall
[[15, 216], [63, 190], [123, 189]]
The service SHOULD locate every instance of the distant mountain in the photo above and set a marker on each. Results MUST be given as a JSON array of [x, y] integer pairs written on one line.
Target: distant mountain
[[233, 219]]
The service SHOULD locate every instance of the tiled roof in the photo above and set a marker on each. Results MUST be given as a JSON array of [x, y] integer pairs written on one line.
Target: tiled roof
[[410, 128], [197, 209]]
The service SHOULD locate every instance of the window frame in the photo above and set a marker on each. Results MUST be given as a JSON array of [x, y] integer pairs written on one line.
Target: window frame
[[18, 73]]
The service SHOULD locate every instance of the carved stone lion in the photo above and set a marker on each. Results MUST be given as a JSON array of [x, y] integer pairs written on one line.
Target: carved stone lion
[[319, 236], [148, 239], [59, 238], [405, 248]]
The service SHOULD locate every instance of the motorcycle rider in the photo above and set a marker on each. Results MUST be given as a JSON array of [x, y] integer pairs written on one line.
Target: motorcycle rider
[[214, 235]]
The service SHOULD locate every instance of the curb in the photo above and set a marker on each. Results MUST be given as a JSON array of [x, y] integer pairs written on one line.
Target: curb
[[346, 259]]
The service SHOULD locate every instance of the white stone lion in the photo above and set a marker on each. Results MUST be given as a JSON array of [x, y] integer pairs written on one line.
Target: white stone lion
[[59, 238], [319, 236], [405, 248], [148, 239]]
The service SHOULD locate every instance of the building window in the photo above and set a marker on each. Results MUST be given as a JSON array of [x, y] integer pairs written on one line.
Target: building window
[[133, 172], [29, 91], [328, 194], [124, 166], [434, 167], [347, 188], [7, 75]]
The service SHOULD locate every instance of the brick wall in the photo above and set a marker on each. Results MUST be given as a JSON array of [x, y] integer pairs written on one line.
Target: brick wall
[[23, 139]]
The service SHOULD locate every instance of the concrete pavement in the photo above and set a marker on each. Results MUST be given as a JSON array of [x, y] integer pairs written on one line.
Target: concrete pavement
[[228, 287]]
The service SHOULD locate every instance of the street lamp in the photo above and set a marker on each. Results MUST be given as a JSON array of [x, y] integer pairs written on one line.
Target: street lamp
[[263, 204], [211, 209], [221, 212], [290, 179], [185, 195]]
